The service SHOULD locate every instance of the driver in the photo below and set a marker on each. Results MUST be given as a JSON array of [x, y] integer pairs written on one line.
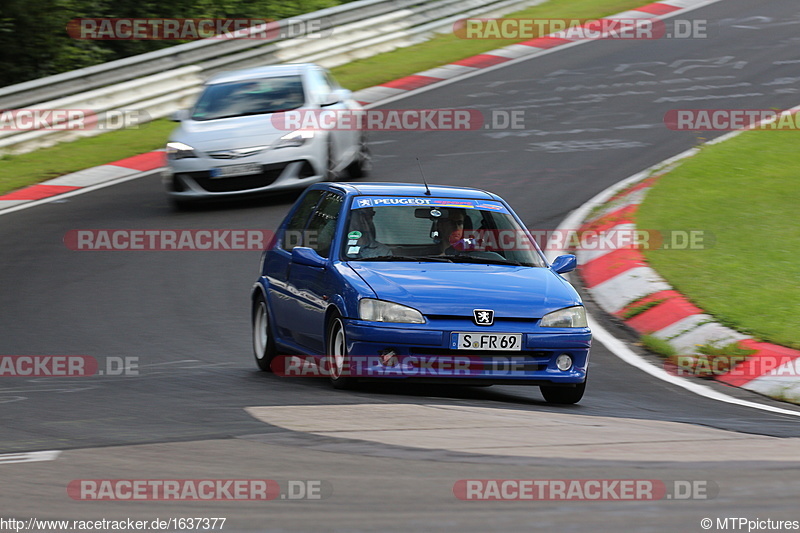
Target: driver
[[451, 230]]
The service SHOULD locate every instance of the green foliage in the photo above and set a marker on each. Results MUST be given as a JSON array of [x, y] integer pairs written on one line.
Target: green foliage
[[34, 41]]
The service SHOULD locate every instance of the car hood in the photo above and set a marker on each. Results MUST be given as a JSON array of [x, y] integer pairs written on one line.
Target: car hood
[[458, 288], [229, 133]]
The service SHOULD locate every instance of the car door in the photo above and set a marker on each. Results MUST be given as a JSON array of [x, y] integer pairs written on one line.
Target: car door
[[311, 285], [350, 137], [338, 135], [278, 262]]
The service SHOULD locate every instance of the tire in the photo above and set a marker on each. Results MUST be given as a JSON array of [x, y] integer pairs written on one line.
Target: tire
[[263, 342], [564, 395], [336, 353], [362, 164]]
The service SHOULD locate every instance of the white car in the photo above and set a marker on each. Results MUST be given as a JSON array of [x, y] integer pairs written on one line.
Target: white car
[[235, 140]]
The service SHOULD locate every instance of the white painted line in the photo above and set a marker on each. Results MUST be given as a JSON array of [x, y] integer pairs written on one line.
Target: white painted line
[[29, 457], [91, 176], [618, 348]]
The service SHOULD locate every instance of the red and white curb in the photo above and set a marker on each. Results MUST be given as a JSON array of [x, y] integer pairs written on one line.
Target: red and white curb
[[369, 97], [124, 168], [619, 279]]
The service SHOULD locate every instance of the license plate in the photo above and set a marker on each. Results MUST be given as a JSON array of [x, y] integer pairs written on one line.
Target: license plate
[[236, 170], [509, 342]]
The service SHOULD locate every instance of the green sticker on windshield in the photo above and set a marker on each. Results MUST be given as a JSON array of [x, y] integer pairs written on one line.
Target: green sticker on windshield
[[354, 235]]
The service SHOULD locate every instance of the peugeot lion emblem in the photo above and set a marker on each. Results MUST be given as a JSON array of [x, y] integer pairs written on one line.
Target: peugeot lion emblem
[[483, 317]]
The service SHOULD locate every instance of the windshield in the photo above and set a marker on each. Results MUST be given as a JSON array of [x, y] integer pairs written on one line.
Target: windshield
[[249, 97], [437, 230]]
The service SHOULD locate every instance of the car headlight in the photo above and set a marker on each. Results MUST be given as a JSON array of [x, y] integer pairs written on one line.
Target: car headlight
[[380, 311], [570, 317], [179, 150], [295, 138]]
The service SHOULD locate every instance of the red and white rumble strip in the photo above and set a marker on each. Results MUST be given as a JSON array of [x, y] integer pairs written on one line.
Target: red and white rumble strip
[[620, 280]]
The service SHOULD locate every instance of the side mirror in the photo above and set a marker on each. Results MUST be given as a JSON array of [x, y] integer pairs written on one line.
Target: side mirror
[[179, 115], [334, 97], [564, 263], [306, 256]]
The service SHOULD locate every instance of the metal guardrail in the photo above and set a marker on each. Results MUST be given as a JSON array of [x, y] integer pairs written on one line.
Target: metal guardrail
[[157, 83]]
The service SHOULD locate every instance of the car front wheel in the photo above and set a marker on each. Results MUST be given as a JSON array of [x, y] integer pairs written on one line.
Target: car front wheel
[[337, 356], [263, 343]]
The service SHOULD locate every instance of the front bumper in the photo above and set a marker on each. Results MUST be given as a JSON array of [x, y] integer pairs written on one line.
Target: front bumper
[[282, 169], [418, 352]]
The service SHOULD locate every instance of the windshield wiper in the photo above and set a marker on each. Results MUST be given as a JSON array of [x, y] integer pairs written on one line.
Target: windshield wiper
[[417, 258]]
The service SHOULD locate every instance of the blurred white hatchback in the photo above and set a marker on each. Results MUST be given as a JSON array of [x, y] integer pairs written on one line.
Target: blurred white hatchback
[[232, 142]]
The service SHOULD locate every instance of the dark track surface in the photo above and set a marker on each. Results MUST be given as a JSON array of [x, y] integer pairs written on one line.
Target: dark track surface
[[594, 115]]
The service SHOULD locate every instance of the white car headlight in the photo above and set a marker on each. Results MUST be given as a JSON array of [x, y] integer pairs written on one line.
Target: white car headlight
[[570, 317], [380, 311], [295, 138], [179, 150]]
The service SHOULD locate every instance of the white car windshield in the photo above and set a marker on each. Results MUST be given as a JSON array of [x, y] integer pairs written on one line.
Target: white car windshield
[[457, 231], [249, 97]]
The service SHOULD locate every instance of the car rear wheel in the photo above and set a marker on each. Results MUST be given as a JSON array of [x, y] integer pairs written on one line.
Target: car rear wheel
[[362, 164], [564, 395], [337, 356], [263, 343]]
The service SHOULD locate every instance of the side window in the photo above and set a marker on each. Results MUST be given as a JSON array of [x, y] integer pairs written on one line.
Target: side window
[[293, 235], [322, 226]]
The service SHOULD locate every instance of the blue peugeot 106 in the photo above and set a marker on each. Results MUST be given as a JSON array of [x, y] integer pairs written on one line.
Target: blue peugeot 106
[[437, 284]]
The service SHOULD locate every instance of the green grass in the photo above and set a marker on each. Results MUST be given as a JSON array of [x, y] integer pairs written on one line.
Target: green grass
[[22, 170], [712, 359], [658, 346], [641, 308], [18, 171], [745, 193]]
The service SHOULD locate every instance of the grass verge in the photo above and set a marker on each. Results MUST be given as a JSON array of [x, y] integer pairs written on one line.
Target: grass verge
[[26, 169], [743, 194], [18, 171]]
